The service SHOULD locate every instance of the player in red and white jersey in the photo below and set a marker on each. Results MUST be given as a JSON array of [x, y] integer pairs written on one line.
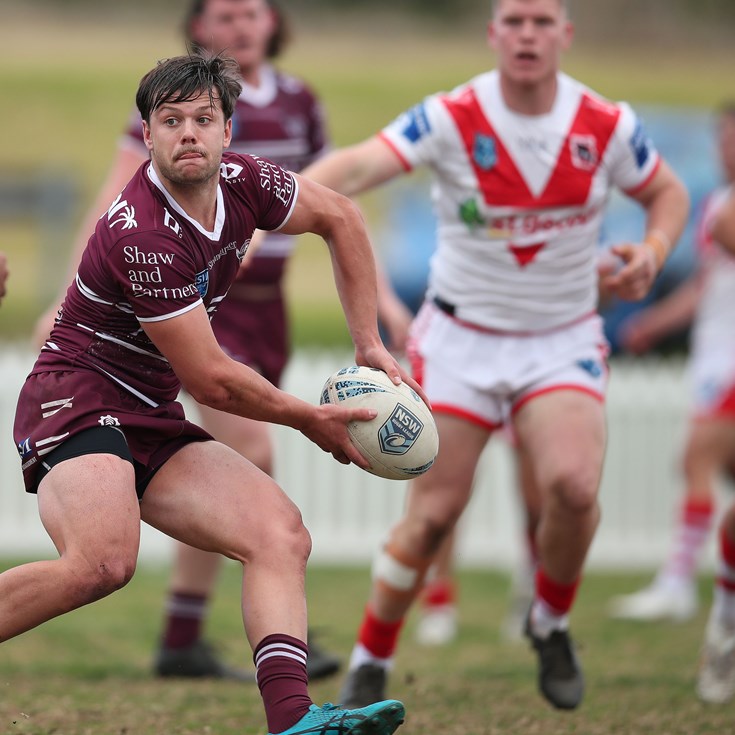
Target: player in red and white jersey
[[103, 441], [716, 679], [523, 161]]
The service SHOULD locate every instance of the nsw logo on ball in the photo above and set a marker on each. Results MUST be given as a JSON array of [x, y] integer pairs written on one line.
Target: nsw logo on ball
[[400, 432]]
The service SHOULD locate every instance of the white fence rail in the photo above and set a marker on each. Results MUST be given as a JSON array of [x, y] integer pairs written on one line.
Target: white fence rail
[[348, 511]]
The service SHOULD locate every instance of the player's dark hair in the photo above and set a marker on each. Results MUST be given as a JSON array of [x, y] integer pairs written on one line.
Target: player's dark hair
[[184, 78], [564, 3], [277, 42]]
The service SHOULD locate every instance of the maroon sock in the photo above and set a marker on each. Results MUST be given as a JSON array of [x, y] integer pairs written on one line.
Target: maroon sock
[[184, 615], [280, 663]]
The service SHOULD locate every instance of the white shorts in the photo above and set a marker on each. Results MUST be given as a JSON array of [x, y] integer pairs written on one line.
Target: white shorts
[[485, 376], [712, 379]]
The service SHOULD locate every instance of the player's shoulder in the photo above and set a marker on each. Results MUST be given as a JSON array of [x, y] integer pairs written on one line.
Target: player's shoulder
[[292, 85], [592, 101]]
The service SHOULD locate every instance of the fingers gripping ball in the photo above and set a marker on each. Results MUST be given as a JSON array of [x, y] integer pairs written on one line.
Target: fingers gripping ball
[[401, 441]]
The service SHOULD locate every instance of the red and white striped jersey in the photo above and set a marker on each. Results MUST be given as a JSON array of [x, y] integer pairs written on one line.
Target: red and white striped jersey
[[520, 199]]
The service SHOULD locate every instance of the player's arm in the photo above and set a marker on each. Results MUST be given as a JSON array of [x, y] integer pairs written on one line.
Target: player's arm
[[215, 380], [339, 222], [354, 170], [126, 163], [723, 227], [666, 202], [3, 274], [646, 328]]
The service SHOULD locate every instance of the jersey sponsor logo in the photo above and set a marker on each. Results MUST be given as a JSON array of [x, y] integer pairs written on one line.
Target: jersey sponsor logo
[[134, 255], [400, 431], [201, 281], [590, 366], [583, 149], [415, 123], [53, 407], [170, 222], [641, 144], [108, 420], [274, 179], [484, 151], [469, 213], [230, 171], [123, 214], [240, 252]]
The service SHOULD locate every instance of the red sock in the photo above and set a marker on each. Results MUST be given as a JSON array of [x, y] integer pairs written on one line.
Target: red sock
[[280, 662], [726, 571], [184, 615], [558, 596], [378, 636], [439, 592]]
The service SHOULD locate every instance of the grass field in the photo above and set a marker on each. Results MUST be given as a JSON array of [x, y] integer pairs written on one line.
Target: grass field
[[88, 672], [72, 79]]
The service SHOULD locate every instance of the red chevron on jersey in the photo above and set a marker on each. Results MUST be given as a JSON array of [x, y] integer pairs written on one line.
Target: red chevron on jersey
[[525, 254], [498, 177]]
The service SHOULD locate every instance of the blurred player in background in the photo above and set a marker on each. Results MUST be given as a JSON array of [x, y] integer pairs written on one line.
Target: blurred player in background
[[277, 116], [708, 299], [716, 681], [3, 274], [524, 158], [102, 439]]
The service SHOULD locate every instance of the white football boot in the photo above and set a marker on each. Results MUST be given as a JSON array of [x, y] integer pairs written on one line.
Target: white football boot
[[673, 602], [716, 680]]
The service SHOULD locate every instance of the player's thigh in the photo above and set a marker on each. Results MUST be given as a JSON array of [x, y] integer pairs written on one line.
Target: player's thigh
[[210, 497], [563, 436], [89, 508], [446, 488], [252, 439], [710, 443]]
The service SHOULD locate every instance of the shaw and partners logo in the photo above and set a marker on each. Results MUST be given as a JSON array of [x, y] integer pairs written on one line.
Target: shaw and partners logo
[[400, 432]]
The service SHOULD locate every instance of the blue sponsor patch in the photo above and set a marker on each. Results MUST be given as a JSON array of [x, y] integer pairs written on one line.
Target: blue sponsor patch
[[590, 366], [641, 144], [415, 123], [350, 388], [400, 432], [484, 151], [201, 281]]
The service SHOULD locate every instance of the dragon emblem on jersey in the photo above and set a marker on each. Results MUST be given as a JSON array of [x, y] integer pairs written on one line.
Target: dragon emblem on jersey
[[583, 149], [124, 212], [484, 151]]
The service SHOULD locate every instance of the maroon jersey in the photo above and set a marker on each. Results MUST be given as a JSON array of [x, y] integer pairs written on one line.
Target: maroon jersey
[[148, 261], [280, 120]]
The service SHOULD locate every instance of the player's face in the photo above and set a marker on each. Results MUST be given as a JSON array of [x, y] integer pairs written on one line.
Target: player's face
[[242, 28], [726, 135], [186, 140], [529, 37]]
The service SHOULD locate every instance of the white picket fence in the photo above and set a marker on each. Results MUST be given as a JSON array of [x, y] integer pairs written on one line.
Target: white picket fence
[[349, 511]]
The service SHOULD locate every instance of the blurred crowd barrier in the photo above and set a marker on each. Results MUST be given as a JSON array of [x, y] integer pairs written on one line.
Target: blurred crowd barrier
[[348, 511]]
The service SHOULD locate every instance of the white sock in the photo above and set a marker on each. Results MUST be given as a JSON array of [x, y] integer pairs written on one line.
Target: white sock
[[545, 620], [361, 655]]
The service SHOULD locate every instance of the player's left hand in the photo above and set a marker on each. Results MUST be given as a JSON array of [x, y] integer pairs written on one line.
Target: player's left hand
[[634, 280], [379, 357]]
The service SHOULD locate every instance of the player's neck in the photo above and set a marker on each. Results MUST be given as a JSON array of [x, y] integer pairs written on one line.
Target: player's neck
[[198, 200], [252, 75], [529, 99]]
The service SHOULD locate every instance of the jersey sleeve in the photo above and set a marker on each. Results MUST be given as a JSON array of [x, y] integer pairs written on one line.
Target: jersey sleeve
[[416, 135], [273, 191], [633, 156], [158, 278]]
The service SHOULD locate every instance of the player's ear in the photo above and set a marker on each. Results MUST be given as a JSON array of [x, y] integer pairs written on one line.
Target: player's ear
[[228, 133], [147, 136], [568, 36]]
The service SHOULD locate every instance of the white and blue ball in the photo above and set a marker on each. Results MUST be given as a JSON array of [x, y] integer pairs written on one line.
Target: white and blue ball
[[401, 442]]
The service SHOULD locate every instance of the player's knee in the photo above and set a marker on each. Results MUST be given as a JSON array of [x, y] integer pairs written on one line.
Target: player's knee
[[285, 538], [575, 490], [101, 577]]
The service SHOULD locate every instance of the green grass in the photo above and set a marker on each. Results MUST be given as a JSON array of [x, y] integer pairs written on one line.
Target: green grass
[[87, 673]]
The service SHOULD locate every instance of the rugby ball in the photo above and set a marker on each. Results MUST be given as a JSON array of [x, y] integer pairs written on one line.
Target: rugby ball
[[401, 441]]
